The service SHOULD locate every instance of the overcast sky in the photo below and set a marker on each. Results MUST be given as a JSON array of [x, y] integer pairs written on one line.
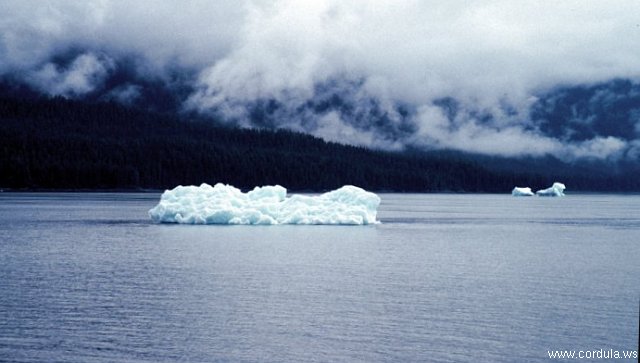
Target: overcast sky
[[492, 56]]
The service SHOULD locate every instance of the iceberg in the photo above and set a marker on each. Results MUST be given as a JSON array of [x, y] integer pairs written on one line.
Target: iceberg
[[267, 205], [556, 190], [522, 192]]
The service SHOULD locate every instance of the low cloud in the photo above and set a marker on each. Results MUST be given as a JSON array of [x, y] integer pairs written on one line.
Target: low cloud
[[126, 94], [84, 75], [479, 76]]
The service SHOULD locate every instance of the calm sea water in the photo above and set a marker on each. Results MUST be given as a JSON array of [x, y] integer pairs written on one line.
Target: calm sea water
[[444, 278]]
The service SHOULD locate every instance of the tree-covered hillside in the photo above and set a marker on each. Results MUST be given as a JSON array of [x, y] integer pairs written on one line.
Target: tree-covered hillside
[[63, 144]]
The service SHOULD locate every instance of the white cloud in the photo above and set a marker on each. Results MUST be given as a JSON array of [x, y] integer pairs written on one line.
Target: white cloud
[[599, 148], [188, 33], [485, 54], [467, 134], [84, 75]]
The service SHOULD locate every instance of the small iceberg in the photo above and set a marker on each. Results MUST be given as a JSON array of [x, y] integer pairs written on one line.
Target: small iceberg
[[522, 192], [556, 190], [225, 204]]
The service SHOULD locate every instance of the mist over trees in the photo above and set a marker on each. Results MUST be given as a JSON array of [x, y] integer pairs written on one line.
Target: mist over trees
[[417, 75], [56, 143]]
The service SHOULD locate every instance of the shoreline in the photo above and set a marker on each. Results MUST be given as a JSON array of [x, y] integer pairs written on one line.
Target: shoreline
[[289, 191]]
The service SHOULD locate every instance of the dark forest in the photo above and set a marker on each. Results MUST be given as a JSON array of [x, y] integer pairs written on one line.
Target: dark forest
[[61, 144]]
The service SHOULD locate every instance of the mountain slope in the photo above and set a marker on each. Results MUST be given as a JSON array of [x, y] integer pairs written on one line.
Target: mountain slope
[[64, 144]]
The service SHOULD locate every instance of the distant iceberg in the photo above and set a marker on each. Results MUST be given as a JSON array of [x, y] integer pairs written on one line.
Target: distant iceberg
[[522, 192], [556, 190], [225, 204]]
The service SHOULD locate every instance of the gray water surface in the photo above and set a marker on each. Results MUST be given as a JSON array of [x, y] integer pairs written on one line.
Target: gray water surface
[[444, 278]]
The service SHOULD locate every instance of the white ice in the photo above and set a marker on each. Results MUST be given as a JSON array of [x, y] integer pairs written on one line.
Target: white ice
[[556, 190], [522, 192], [225, 204]]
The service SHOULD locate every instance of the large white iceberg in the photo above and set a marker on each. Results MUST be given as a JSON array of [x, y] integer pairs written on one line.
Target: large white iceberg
[[556, 190], [225, 204], [522, 192]]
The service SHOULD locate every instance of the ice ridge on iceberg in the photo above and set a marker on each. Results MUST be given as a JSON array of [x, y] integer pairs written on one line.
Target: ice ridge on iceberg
[[522, 192], [225, 204], [556, 190]]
